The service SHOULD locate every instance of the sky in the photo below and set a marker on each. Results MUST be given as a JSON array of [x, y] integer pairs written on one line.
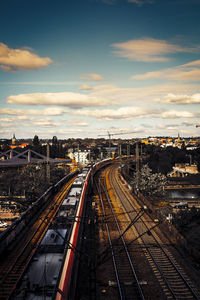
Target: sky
[[82, 68]]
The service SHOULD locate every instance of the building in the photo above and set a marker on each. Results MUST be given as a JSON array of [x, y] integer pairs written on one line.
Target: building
[[183, 169], [14, 140], [81, 157], [16, 144]]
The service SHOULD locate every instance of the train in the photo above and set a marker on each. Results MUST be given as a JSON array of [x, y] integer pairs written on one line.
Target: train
[[66, 285], [8, 236], [54, 265]]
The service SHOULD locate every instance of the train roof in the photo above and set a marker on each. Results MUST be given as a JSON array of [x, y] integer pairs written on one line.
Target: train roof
[[53, 237], [71, 201], [43, 271], [75, 191]]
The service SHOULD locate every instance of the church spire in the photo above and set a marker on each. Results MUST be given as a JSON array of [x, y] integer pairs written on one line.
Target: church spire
[[14, 139]]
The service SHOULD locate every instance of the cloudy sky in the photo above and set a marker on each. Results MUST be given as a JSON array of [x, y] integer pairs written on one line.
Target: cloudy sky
[[84, 67]]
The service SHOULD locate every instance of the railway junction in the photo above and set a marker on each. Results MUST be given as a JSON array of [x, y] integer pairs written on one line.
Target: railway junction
[[134, 255], [94, 239]]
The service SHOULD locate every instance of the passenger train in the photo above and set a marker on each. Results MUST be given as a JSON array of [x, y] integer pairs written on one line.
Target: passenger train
[[52, 270]]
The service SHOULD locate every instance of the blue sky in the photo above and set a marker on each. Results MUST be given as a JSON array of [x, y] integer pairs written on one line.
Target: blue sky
[[82, 68]]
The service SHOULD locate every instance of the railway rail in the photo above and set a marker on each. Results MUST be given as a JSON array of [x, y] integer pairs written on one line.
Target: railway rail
[[12, 268], [172, 278], [127, 282]]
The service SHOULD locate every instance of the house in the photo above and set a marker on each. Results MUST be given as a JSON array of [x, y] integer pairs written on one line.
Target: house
[[183, 169]]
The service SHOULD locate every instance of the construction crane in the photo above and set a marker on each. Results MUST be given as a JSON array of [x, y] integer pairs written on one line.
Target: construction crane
[[111, 134]]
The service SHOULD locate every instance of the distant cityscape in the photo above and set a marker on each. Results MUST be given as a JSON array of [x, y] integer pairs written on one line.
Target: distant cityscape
[[189, 142], [87, 149]]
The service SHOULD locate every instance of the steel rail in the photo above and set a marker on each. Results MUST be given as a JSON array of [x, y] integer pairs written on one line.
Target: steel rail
[[26, 251], [184, 280], [123, 242], [111, 247], [125, 246]]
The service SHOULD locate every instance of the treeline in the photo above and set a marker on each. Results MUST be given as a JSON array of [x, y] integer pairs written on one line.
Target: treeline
[[30, 181], [151, 176], [162, 160], [188, 223], [56, 147]]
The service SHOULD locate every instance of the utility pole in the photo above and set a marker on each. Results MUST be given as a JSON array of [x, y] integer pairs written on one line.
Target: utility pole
[[101, 155], [128, 149], [137, 158], [11, 154], [109, 144], [119, 149], [48, 174], [29, 156], [78, 156], [190, 155]]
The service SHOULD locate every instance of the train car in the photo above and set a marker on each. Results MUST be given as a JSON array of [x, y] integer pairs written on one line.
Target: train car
[[56, 257], [8, 236], [50, 255], [70, 261]]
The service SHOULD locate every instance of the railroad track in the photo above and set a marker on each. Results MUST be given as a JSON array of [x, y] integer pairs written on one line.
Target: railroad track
[[126, 280], [171, 276], [12, 269]]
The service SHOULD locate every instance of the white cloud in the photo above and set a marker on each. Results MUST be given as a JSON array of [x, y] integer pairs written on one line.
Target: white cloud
[[181, 126], [72, 100], [92, 76], [21, 113], [148, 75], [129, 113], [16, 59], [6, 120], [147, 50], [167, 126], [23, 118], [85, 87], [186, 72], [141, 96], [78, 122], [172, 114], [96, 132], [188, 124], [52, 111], [5, 125], [123, 113], [185, 75], [45, 123], [180, 99]]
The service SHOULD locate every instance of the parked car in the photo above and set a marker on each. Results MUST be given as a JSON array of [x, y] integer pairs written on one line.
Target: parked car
[[3, 224]]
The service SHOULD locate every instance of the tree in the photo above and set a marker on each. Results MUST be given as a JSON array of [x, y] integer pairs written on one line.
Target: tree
[[54, 148], [31, 179], [148, 183], [36, 141], [55, 140]]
